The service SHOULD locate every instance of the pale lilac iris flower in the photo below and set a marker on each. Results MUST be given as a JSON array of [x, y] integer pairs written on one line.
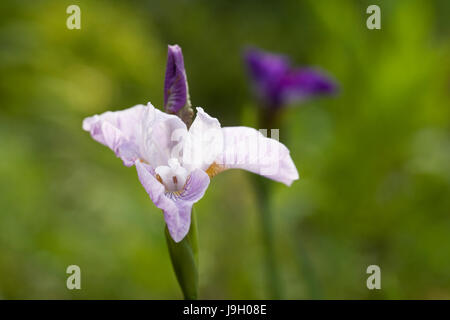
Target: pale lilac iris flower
[[276, 83], [175, 164]]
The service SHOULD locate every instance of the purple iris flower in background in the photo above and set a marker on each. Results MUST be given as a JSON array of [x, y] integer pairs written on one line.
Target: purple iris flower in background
[[176, 93], [276, 83]]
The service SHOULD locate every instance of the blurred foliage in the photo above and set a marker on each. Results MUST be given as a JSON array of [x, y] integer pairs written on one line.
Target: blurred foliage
[[374, 161]]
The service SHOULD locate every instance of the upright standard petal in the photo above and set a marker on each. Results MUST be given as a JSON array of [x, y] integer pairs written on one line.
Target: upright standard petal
[[175, 84], [203, 143], [162, 139], [176, 206]]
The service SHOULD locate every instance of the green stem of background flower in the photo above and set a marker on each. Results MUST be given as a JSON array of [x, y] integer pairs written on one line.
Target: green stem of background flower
[[184, 257], [268, 119], [262, 187]]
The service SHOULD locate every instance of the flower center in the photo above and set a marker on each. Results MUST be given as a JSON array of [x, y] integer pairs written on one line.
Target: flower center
[[173, 176]]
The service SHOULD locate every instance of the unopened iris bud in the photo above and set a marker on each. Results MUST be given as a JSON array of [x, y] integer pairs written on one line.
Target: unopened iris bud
[[176, 92]]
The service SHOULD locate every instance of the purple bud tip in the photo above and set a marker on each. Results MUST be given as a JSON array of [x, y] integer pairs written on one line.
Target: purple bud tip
[[175, 84]]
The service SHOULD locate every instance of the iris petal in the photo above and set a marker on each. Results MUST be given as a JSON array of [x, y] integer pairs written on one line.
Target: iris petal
[[247, 148], [119, 130], [176, 206]]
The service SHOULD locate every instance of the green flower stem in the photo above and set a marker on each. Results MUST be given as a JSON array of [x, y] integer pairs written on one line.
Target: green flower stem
[[268, 118], [307, 272], [184, 257], [262, 188], [272, 119]]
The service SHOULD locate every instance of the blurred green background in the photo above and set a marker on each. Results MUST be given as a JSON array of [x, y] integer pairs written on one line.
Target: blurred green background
[[374, 161]]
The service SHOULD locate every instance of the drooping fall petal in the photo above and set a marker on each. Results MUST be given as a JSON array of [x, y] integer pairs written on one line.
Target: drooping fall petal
[[239, 148], [248, 149], [119, 130], [176, 206]]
